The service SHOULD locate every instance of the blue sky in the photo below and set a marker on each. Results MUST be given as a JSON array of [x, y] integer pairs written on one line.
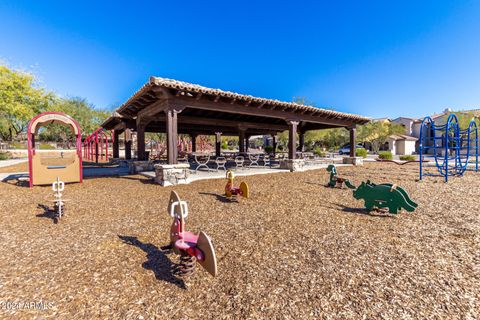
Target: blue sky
[[376, 58]]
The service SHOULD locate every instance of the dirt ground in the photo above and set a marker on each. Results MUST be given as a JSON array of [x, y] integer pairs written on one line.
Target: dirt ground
[[294, 250]]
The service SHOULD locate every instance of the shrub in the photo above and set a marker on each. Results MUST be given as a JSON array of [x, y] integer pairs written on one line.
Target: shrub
[[5, 155], [385, 155], [407, 158], [45, 146], [17, 145], [319, 152], [268, 149], [361, 152], [224, 146]]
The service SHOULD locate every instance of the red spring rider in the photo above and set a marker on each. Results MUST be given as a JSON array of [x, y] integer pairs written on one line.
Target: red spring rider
[[231, 191], [188, 245]]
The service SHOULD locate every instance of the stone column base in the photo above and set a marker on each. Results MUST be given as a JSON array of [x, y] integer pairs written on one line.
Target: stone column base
[[172, 174], [140, 166], [356, 161], [292, 165]]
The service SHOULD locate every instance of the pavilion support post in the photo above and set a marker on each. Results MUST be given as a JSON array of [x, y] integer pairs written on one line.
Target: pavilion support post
[[241, 140], [128, 144], [96, 148], [141, 155], [172, 135], [218, 144], [193, 137], [301, 141], [247, 142], [353, 159], [292, 139], [292, 163], [353, 133], [173, 173], [274, 144], [116, 144]]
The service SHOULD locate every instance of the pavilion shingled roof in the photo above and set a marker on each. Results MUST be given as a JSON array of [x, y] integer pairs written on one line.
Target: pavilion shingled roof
[[189, 89]]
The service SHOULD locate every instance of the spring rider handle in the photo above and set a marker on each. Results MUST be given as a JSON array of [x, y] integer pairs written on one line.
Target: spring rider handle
[[58, 186], [183, 209]]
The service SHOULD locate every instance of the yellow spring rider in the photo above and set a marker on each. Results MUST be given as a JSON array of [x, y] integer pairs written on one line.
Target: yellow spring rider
[[230, 190]]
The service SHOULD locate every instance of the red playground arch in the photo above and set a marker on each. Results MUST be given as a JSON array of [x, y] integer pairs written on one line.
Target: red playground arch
[[46, 165], [95, 146]]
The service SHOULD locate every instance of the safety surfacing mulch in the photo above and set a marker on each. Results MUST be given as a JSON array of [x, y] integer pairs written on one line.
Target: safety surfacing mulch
[[294, 250]]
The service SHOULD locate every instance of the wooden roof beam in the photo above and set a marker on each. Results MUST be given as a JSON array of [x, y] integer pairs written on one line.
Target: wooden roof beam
[[225, 123], [153, 109], [208, 130], [228, 108]]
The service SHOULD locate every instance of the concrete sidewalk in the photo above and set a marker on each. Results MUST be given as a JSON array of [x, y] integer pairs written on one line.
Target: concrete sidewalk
[[214, 174], [11, 162], [87, 173]]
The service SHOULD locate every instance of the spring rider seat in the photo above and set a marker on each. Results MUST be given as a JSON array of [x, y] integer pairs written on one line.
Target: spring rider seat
[[188, 245], [336, 181], [230, 190]]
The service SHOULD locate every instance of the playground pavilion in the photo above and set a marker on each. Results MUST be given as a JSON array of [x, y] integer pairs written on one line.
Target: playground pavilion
[[175, 107]]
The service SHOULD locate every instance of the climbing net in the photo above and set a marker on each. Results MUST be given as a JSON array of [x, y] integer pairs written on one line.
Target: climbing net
[[450, 147]]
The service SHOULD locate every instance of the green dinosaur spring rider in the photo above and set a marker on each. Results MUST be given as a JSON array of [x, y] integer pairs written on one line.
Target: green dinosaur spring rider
[[335, 180], [385, 195]]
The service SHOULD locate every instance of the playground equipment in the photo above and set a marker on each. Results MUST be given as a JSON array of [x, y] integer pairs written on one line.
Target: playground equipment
[[158, 147], [231, 191], [95, 146], [46, 166], [188, 245], [386, 195], [335, 180], [59, 203], [450, 146]]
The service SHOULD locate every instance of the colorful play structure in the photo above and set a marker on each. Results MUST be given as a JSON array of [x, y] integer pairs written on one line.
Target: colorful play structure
[[385, 195], [449, 145], [158, 147], [191, 247], [46, 165], [231, 192], [95, 146], [335, 180], [58, 203]]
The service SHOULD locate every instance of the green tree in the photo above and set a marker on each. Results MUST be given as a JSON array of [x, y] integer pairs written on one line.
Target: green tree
[[326, 138], [20, 100], [84, 113], [377, 133], [464, 118]]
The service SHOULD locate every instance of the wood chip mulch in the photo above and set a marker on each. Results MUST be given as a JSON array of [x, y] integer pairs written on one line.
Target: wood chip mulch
[[294, 250]]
